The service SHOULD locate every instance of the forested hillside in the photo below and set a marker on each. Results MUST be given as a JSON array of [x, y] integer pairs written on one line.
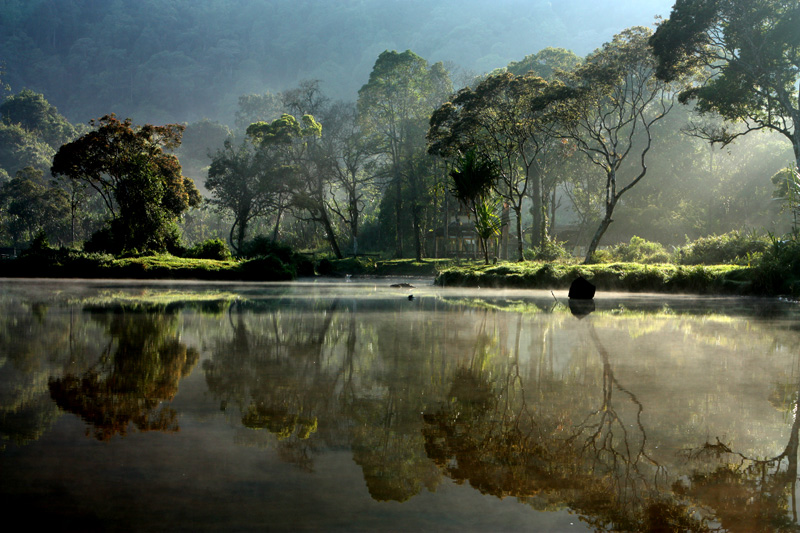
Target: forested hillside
[[183, 60], [516, 129]]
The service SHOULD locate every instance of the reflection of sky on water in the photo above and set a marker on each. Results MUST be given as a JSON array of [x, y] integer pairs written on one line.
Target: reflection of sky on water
[[351, 355]]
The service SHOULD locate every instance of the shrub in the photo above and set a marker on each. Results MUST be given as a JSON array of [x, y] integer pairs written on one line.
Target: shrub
[[266, 268], [733, 247], [639, 250], [262, 246], [551, 251], [778, 269], [210, 249], [325, 267]]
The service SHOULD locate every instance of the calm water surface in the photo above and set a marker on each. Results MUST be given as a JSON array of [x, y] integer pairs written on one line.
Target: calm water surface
[[349, 406]]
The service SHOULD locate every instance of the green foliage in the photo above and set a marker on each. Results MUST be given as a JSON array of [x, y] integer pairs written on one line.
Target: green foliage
[[639, 250], [778, 270], [267, 268], [757, 84], [141, 184], [734, 247], [33, 113], [787, 189], [263, 246], [546, 63], [722, 279], [552, 250], [210, 249]]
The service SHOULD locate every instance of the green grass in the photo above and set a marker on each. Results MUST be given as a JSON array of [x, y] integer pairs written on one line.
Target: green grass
[[635, 277]]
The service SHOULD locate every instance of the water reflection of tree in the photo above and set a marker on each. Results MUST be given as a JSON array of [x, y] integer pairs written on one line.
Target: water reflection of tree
[[316, 374], [271, 368], [35, 342], [386, 431], [747, 494], [139, 369], [494, 436]]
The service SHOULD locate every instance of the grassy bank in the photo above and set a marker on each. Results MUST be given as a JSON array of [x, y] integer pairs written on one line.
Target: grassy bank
[[62, 263], [772, 275], [698, 279]]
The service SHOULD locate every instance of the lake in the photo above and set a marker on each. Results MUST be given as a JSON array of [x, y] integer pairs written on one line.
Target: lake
[[357, 406]]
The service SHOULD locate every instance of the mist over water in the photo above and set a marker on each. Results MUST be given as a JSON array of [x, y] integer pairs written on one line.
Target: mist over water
[[347, 406]]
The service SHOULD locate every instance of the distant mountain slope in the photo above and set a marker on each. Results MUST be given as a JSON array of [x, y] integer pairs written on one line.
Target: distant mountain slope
[[181, 60]]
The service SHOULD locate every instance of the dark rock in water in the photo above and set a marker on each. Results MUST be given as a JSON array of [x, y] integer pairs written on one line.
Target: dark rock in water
[[410, 297], [581, 308], [581, 289]]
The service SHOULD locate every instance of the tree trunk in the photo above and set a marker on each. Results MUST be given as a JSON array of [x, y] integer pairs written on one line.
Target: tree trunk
[[277, 225], [398, 244], [331, 236], [417, 232], [518, 213], [604, 224], [536, 212]]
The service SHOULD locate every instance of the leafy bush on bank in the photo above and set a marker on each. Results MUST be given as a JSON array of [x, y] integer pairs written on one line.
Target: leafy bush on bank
[[210, 249], [778, 269], [726, 279], [730, 248]]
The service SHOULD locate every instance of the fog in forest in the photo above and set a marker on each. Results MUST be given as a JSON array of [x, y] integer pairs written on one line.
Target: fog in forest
[[216, 66]]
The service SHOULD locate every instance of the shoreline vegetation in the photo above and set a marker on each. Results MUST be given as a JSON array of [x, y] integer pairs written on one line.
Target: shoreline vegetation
[[763, 278]]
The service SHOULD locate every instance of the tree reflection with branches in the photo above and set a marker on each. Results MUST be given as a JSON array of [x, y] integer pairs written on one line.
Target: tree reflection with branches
[[139, 369], [744, 493], [492, 435]]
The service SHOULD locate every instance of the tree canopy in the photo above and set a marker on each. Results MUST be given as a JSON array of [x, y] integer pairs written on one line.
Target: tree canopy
[[139, 181], [750, 52]]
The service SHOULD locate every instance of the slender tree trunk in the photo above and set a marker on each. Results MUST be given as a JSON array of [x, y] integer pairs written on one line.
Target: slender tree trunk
[[518, 213], [398, 245], [329, 233], [278, 217], [604, 224], [536, 212]]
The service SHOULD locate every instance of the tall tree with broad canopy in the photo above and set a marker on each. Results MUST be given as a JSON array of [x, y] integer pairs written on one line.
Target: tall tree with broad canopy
[[507, 119], [292, 141], [613, 105], [346, 158], [244, 181], [751, 52], [141, 183], [547, 63], [394, 107]]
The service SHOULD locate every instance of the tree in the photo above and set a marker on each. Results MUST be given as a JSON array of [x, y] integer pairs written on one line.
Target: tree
[[346, 156], [546, 63], [787, 190], [290, 141], [473, 180], [394, 107], [20, 148], [615, 102], [240, 182], [33, 113], [141, 184], [29, 207], [751, 51], [508, 119]]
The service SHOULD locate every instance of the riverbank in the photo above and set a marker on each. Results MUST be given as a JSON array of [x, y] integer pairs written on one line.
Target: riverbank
[[52, 263], [633, 277]]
